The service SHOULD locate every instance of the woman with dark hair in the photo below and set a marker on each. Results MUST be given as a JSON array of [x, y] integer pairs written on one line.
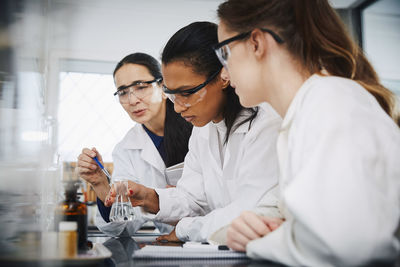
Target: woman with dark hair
[[158, 140], [338, 146], [231, 161]]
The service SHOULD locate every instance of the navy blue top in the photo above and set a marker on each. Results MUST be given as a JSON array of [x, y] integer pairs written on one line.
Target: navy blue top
[[158, 142]]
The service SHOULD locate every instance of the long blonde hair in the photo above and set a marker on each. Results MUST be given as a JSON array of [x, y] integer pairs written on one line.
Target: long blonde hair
[[314, 34]]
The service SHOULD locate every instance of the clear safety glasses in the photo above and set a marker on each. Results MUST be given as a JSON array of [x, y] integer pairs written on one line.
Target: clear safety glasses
[[140, 89], [189, 97], [222, 49]]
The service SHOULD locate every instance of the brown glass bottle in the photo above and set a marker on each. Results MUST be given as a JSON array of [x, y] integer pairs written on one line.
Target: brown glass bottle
[[71, 209]]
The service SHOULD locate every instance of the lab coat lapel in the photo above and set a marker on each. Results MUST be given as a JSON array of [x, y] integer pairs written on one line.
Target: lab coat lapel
[[227, 155], [232, 147], [214, 148], [283, 141], [149, 153]]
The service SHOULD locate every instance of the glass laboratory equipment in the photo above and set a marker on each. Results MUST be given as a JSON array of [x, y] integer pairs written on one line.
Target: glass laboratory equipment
[[29, 170], [122, 209], [72, 210]]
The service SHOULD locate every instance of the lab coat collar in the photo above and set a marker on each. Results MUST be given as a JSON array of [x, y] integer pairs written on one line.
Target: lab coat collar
[[244, 128], [298, 98], [138, 139]]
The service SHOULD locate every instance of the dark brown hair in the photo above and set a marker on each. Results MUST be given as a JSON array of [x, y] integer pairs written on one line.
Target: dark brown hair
[[193, 45], [313, 34]]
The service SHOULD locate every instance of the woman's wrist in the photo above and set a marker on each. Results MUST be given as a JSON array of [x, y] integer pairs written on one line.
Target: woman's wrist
[[151, 201], [101, 189], [99, 180]]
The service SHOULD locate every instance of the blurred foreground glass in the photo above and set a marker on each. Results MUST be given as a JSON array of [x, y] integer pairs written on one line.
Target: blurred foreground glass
[[30, 169], [122, 209]]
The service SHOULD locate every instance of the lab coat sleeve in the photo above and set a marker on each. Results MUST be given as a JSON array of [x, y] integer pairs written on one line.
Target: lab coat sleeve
[[188, 198], [344, 195], [123, 169], [268, 203], [266, 207], [256, 175]]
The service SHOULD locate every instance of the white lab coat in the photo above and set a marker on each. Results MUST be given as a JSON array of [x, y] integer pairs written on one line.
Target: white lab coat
[[136, 158], [340, 179], [211, 193]]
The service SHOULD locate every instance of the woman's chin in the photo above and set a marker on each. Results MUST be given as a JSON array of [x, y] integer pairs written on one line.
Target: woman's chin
[[248, 103], [197, 123], [140, 120]]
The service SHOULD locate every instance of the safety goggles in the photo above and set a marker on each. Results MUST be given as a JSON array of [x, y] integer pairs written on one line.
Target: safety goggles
[[222, 49], [139, 89], [189, 97]]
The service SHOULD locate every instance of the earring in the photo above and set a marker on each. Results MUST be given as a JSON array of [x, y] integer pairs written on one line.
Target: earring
[[225, 83]]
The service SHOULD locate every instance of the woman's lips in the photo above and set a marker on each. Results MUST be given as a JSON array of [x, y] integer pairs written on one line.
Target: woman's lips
[[139, 112], [189, 118]]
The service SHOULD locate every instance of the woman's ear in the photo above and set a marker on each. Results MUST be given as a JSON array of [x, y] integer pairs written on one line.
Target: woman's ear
[[163, 95], [260, 43], [225, 78]]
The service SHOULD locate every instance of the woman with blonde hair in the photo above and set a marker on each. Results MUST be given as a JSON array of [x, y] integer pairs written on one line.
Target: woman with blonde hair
[[338, 146]]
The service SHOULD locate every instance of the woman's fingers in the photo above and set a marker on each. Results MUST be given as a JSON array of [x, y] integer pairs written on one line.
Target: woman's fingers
[[87, 165], [136, 191], [170, 237], [82, 170], [86, 161], [248, 226], [110, 198], [273, 223], [89, 152], [236, 246], [241, 227], [135, 194], [113, 192], [236, 236], [256, 223], [235, 239], [96, 153], [133, 190], [109, 201]]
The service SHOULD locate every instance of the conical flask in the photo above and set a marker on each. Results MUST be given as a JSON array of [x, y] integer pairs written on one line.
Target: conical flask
[[122, 209]]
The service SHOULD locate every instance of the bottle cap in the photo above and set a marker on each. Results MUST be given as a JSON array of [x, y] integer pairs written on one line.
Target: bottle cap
[[68, 226]]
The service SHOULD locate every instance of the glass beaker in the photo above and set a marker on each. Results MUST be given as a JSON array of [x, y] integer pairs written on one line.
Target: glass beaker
[[122, 209]]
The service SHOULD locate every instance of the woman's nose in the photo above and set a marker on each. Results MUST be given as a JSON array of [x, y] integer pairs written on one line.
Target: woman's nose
[[179, 108], [133, 99]]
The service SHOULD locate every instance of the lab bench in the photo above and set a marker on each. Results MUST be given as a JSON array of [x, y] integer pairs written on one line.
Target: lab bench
[[123, 248]]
